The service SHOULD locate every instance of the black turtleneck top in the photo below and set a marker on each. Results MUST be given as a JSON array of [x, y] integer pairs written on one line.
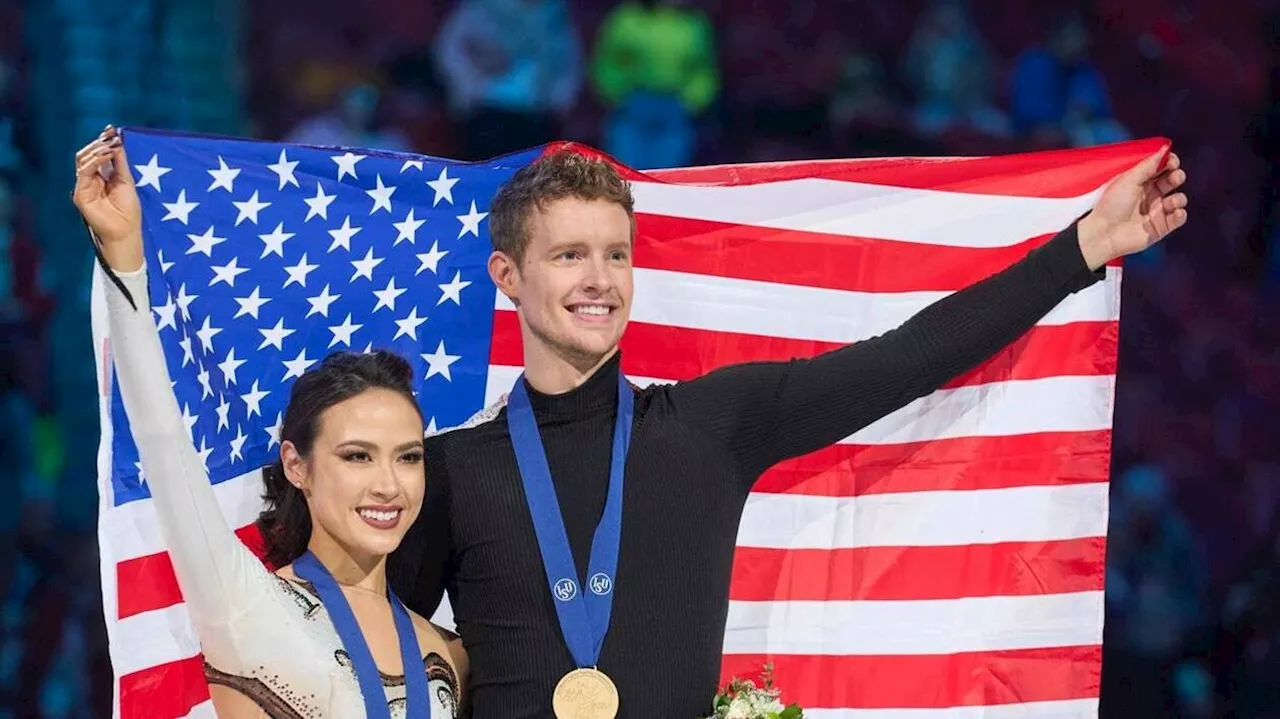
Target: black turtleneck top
[[697, 447]]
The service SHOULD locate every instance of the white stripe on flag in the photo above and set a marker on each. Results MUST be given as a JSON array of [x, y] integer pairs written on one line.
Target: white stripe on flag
[[132, 529], [998, 409], [721, 304], [1065, 709], [947, 626], [954, 219], [925, 519], [153, 638]]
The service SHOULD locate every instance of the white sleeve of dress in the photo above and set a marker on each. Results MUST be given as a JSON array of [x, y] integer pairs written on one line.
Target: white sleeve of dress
[[218, 575]]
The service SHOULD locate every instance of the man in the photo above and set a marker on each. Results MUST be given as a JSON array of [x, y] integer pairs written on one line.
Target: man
[[542, 617]]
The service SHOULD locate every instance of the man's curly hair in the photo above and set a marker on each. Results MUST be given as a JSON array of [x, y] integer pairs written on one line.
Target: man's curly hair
[[555, 176]]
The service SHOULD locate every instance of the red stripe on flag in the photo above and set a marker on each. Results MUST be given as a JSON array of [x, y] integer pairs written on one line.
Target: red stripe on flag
[[813, 259], [145, 584], [929, 681], [965, 463], [676, 353], [894, 573], [1078, 349], [1057, 173], [164, 690]]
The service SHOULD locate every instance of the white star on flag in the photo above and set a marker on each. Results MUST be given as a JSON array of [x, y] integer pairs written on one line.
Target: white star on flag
[[443, 186], [364, 267], [251, 304], [184, 301], [274, 241], [166, 314], [274, 337], [320, 303], [430, 259], [319, 205], [151, 173], [471, 221], [347, 164], [224, 408], [227, 273], [387, 296], [253, 399], [342, 235], [202, 377], [298, 273], [273, 432], [229, 366], [224, 177], [204, 452], [250, 208], [408, 228], [298, 365], [342, 333], [204, 243], [237, 444], [453, 290], [188, 420], [438, 362], [409, 325], [381, 196], [284, 170], [180, 210], [206, 333]]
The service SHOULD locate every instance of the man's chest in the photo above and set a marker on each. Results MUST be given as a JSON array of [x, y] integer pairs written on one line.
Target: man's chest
[[676, 491]]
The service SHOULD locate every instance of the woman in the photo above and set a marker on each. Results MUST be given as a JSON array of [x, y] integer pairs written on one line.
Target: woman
[[321, 636]]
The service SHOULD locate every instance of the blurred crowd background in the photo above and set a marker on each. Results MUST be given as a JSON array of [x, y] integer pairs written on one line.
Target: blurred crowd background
[[1193, 589]]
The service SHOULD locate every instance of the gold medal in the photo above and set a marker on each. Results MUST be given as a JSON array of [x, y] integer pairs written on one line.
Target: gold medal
[[585, 694]]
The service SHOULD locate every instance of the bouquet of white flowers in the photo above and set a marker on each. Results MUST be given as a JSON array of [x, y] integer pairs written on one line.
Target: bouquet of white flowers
[[742, 699]]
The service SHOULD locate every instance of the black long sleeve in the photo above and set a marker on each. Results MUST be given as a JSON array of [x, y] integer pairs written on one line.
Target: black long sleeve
[[766, 412], [696, 449]]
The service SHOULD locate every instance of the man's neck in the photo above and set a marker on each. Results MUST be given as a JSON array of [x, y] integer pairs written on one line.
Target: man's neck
[[349, 570], [552, 374]]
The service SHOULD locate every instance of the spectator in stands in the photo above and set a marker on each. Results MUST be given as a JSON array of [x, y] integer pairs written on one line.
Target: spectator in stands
[[1193, 690], [1056, 95], [353, 122], [1247, 654], [950, 71], [1156, 587], [8, 302], [864, 114], [655, 70], [861, 97], [512, 70], [1264, 240], [11, 159]]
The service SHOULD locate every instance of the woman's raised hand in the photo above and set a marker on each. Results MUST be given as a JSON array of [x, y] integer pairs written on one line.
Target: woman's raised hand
[[106, 197]]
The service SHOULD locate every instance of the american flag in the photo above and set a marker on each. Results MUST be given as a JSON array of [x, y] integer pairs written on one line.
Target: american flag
[[945, 562]]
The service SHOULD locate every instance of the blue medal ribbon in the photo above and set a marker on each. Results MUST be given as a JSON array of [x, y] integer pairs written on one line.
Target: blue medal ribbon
[[583, 611], [417, 691]]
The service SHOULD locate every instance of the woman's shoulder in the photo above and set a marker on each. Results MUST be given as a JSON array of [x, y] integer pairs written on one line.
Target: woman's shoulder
[[443, 655], [432, 636]]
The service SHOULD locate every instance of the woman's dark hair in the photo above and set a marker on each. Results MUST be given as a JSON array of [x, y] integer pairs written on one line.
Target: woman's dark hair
[[285, 524]]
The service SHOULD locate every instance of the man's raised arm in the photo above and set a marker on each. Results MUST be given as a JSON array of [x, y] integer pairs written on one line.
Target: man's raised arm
[[769, 411]]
